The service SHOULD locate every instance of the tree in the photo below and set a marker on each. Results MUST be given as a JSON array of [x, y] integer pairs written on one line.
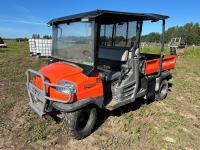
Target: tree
[[1, 41], [47, 37], [151, 37], [190, 33], [22, 39], [35, 36]]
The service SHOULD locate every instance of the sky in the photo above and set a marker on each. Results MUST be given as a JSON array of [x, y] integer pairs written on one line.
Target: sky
[[22, 18]]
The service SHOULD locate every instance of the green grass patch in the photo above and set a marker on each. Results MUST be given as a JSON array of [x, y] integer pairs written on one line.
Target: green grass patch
[[192, 52], [15, 47], [154, 50]]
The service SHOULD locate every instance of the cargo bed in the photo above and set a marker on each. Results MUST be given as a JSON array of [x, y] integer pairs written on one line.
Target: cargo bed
[[152, 63]]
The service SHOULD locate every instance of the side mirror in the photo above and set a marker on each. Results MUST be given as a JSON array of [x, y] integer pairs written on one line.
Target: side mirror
[[52, 60]]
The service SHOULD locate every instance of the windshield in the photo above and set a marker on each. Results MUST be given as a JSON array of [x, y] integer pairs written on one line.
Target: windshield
[[72, 42]]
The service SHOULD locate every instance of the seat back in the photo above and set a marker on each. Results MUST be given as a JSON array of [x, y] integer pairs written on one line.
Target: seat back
[[126, 56], [113, 53]]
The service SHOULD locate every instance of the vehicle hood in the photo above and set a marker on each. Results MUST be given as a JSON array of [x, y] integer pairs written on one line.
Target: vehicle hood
[[58, 71]]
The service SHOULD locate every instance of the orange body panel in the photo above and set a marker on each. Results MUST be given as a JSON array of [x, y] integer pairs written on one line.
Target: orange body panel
[[152, 66], [86, 87]]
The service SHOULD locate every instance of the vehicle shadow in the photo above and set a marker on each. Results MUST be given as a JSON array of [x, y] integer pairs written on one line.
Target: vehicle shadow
[[104, 114]]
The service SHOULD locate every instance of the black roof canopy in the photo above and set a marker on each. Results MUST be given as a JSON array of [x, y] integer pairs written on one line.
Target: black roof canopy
[[109, 16]]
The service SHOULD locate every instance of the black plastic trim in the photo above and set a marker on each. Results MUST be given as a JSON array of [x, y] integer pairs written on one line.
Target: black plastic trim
[[108, 14], [79, 104]]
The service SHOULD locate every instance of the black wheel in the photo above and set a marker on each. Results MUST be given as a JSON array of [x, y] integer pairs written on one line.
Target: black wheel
[[81, 123], [163, 90]]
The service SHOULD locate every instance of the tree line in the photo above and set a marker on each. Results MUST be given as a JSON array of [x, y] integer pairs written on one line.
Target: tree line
[[37, 36], [190, 34], [34, 36], [1, 41]]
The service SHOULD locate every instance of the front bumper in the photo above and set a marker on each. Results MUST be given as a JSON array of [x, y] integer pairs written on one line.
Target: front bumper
[[38, 97]]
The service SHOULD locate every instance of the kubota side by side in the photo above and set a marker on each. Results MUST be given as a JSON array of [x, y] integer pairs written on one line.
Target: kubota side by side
[[96, 64]]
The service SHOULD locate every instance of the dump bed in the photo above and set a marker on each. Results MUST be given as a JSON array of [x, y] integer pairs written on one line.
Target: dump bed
[[152, 65]]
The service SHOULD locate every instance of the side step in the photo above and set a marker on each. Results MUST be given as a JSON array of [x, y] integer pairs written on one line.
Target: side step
[[114, 104]]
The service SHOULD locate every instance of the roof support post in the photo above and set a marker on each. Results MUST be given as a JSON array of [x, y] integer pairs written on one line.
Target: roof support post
[[127, 29], [162, 46], [96, 34], [138, 34]]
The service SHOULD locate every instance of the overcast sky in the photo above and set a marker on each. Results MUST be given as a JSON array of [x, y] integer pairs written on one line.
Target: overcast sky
[[22, 18]]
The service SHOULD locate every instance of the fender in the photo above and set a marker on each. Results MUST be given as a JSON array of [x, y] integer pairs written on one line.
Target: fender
[[70, 107], [164, 75]]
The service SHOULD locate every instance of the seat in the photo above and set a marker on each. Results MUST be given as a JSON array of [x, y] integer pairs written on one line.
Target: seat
[[112, 76]]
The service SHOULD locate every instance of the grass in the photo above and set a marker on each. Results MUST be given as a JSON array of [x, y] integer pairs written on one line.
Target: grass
[[192, 52], [154, 50], [175, 118], [15, 48], [6, 107], [14, 61], [170, 124]]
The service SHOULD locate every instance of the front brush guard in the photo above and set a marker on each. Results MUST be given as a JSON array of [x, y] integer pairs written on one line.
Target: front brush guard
[[38, 97]]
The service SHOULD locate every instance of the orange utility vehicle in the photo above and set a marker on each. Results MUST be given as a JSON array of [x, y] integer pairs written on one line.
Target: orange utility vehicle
[[96, 64]]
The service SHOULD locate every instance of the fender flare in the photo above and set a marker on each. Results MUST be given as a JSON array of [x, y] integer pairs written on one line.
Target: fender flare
[[164, 75], [70, 107]]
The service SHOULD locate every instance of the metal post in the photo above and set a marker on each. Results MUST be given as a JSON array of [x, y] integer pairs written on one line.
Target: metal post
[[140, 30], [127, 29], [113, 35], [137, 40], [162, 47], [96, 35]]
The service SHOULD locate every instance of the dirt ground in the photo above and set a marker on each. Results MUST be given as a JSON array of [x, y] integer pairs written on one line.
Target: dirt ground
[[170, 124]]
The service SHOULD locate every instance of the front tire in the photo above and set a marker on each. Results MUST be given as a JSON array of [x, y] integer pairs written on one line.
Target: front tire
[[81, 122]]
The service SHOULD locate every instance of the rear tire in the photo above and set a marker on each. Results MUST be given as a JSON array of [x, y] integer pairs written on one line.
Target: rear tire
[[163, 90], [81, 122]]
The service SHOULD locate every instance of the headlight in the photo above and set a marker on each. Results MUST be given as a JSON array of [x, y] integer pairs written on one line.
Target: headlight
[[68, 85]]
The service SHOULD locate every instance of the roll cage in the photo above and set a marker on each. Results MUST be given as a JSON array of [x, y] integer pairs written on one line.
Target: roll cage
[[100, 17]]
